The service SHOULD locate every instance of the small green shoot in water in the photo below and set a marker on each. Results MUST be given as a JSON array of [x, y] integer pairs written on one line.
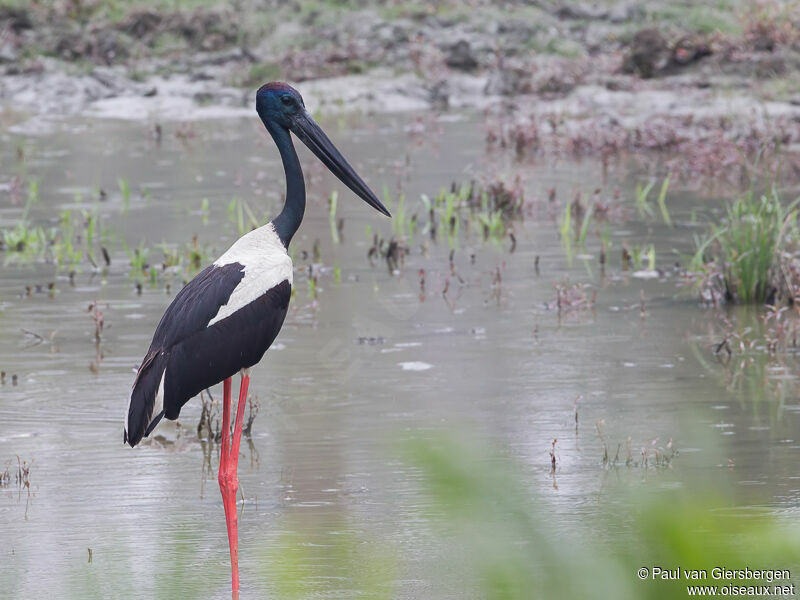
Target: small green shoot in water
[[651, 258], [172, 257], [449, 203], [387, 199], [138, 260], [33, 194], [642, 206], [492, 224], [332, 201], [636, 256], [605, 237], [125, 191], [640, 254], [662, 201], [312, 287], [401, 225], [564, 229], [64, 248], [399, 217], [587, 220], [239, 214], [24, 237], [91, 226]]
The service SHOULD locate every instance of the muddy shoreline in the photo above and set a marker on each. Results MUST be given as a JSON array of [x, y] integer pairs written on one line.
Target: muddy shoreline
[[569, 59]]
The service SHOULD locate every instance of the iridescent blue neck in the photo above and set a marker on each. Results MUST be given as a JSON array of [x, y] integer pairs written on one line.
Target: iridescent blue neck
[[287, 222]]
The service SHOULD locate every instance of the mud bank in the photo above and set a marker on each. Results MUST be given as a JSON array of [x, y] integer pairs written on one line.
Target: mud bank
[[627, 62]]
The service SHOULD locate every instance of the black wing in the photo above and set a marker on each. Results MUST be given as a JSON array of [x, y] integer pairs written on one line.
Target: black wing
[[188, 314], [236, 342], [197, 355], [196, 304]]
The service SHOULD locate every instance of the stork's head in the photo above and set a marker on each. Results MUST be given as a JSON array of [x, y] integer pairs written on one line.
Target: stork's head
[[280, 105]]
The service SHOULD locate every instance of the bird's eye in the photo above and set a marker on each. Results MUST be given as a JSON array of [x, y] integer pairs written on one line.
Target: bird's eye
[[287, 100]]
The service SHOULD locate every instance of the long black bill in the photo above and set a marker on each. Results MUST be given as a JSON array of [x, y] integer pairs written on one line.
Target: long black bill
[[312, 136]]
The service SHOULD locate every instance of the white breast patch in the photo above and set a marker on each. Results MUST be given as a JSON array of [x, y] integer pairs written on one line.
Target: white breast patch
[[265, 264]]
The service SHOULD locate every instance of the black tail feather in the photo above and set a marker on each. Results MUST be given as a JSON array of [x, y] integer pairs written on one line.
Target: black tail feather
[[153, 423], [141, 419]]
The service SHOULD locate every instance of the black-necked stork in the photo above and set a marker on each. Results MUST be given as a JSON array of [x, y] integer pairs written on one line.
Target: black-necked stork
[[223, 320]]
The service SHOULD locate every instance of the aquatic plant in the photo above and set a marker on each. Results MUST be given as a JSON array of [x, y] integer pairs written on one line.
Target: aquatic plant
[[641, 256], [651, 258], [573, 226], [499, 196], [662, 201], [643, 206], [253, 406], [61, 244], [581, 233], [313, 283], [21, 476], [24, 238], [749, 250], [492, 224], [138, 261], [564, 230], [753, 354], [65, 249], [491, 207], [241, 215], [392, 251], [332, 216], [187, 260], [700, 151], [197, 255], [90, 223], [33, 193], [573, 298], [403, 226], [768, 24], [96, 315], [125, 192], [205, 210]]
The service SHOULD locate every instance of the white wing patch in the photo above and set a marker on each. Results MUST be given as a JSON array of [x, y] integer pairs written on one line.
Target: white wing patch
[[266, 264], [158, 405]]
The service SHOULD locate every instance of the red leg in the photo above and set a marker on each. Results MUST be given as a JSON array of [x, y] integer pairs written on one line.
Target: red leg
[[226, 419], [237, 428], [228, 464]]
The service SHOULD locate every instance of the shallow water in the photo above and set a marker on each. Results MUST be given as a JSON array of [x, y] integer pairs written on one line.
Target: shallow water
[[364, 365]]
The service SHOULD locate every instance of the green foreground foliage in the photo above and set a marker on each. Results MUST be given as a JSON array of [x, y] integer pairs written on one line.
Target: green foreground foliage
[[493, 536], [515, 553]]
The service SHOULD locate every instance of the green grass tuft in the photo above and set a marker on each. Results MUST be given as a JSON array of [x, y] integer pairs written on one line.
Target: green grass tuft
[[747, 249]]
